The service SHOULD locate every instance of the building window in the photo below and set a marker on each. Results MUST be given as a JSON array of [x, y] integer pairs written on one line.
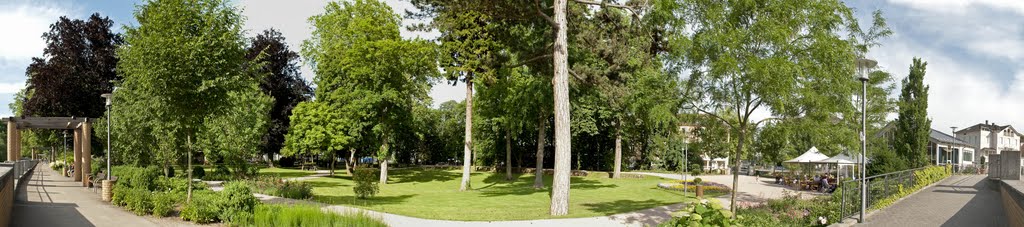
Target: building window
[[968, 156]]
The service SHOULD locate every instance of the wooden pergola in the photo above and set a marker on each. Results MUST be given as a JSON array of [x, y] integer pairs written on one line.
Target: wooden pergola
[[82, 142]]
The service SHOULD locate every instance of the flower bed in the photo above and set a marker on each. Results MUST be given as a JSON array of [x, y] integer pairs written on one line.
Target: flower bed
[[709, 187]]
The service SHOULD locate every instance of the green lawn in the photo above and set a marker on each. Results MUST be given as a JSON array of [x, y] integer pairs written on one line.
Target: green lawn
[[287, 173], [434, 194]]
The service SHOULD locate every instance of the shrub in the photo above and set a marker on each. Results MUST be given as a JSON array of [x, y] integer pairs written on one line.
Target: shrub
[[305, 215], [97, 167], [139, 201], [119, 195], [697, 181], [237, 201], [137, 177], [704, 213], [198, 172], [277, 187], [164, 202], [695, 170], [366, 182], [204, 207]]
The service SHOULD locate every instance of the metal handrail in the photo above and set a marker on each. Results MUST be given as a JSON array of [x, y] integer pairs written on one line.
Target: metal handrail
[[900, 177]]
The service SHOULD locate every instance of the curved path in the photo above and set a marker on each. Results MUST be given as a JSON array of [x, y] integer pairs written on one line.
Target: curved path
[[961, 200], [752, 190]]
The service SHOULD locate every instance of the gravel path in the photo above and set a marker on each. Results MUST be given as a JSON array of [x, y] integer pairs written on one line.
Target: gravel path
[[752, 189]]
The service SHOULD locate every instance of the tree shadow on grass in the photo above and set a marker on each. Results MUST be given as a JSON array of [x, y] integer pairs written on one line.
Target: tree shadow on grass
[[623, 206], [327, 184], [524, 186], [422, 175], [352, 200]]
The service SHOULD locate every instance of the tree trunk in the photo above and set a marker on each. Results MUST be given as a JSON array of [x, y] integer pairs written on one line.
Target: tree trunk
[[334, 158], [384, 161], [468, 142], [618, 149], [563, 154], [736, 172], [538, 181], [188, 139], [351, 164], [270, 160], [508, 154]]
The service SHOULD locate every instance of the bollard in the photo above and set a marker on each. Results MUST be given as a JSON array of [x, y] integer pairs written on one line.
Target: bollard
[[108, 190]]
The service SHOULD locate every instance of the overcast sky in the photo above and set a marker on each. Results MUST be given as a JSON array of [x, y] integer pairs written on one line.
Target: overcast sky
[[974, 49]]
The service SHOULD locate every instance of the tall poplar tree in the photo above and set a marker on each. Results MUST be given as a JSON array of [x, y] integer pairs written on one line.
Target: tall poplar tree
[[913, 125]]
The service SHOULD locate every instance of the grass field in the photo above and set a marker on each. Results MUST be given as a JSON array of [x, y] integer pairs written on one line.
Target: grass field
[[288, 173], [434, 194]]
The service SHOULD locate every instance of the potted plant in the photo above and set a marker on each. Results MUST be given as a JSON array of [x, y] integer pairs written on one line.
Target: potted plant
[[700, 188]]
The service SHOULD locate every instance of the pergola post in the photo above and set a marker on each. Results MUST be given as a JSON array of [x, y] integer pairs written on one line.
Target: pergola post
[[11, 127], [86, 152], [77, 176]]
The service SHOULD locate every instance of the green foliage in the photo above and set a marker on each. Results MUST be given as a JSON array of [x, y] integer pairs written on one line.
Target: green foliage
[[183, 71], [922, 178], [284, 188], [912, 125], [349, 42], [697, 181], [139, 200], [237, 202], [366, 182], [704, 213], [137, 177], [165, 202], [204, 207], [97, 166], [305, 215], [695, 170]]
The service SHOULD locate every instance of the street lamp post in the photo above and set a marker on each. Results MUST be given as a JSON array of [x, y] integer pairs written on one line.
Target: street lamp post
[[109, 98], [951, 147], [683, 168], [863, 65]]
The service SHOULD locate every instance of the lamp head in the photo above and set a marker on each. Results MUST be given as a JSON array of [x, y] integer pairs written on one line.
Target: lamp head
[[108, 97], [863, 65]]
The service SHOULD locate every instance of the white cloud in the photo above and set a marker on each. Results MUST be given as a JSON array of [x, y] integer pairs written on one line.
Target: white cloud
[[958, 6], [23, 27], [960, 94], [11, 88]]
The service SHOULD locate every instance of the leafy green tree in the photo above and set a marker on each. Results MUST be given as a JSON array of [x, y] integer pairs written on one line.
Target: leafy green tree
[[184, 59], [233, 137], [912, 124], [368, 72], [317, 130], [745, 56]]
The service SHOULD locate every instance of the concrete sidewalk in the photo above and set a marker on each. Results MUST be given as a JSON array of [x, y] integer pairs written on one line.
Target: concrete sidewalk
[[960, 200], [49, 199]]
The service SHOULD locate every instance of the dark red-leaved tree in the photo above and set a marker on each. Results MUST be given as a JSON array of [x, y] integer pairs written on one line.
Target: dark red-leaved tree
[[281, 80], [77, 66]]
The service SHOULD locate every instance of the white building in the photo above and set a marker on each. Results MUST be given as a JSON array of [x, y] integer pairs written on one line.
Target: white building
[[990, 139], [689, 132], [942, 147]]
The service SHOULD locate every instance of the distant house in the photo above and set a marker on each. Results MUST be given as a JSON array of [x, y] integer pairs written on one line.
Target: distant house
[[991, 139], [942, 148], [689, 132]]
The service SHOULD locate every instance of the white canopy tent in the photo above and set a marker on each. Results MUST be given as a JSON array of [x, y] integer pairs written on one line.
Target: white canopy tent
[[811, 156], [844, 164]]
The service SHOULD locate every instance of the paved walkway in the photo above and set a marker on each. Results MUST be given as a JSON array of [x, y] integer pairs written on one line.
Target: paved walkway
[[752, 190], [961, 200], [49, 199]]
